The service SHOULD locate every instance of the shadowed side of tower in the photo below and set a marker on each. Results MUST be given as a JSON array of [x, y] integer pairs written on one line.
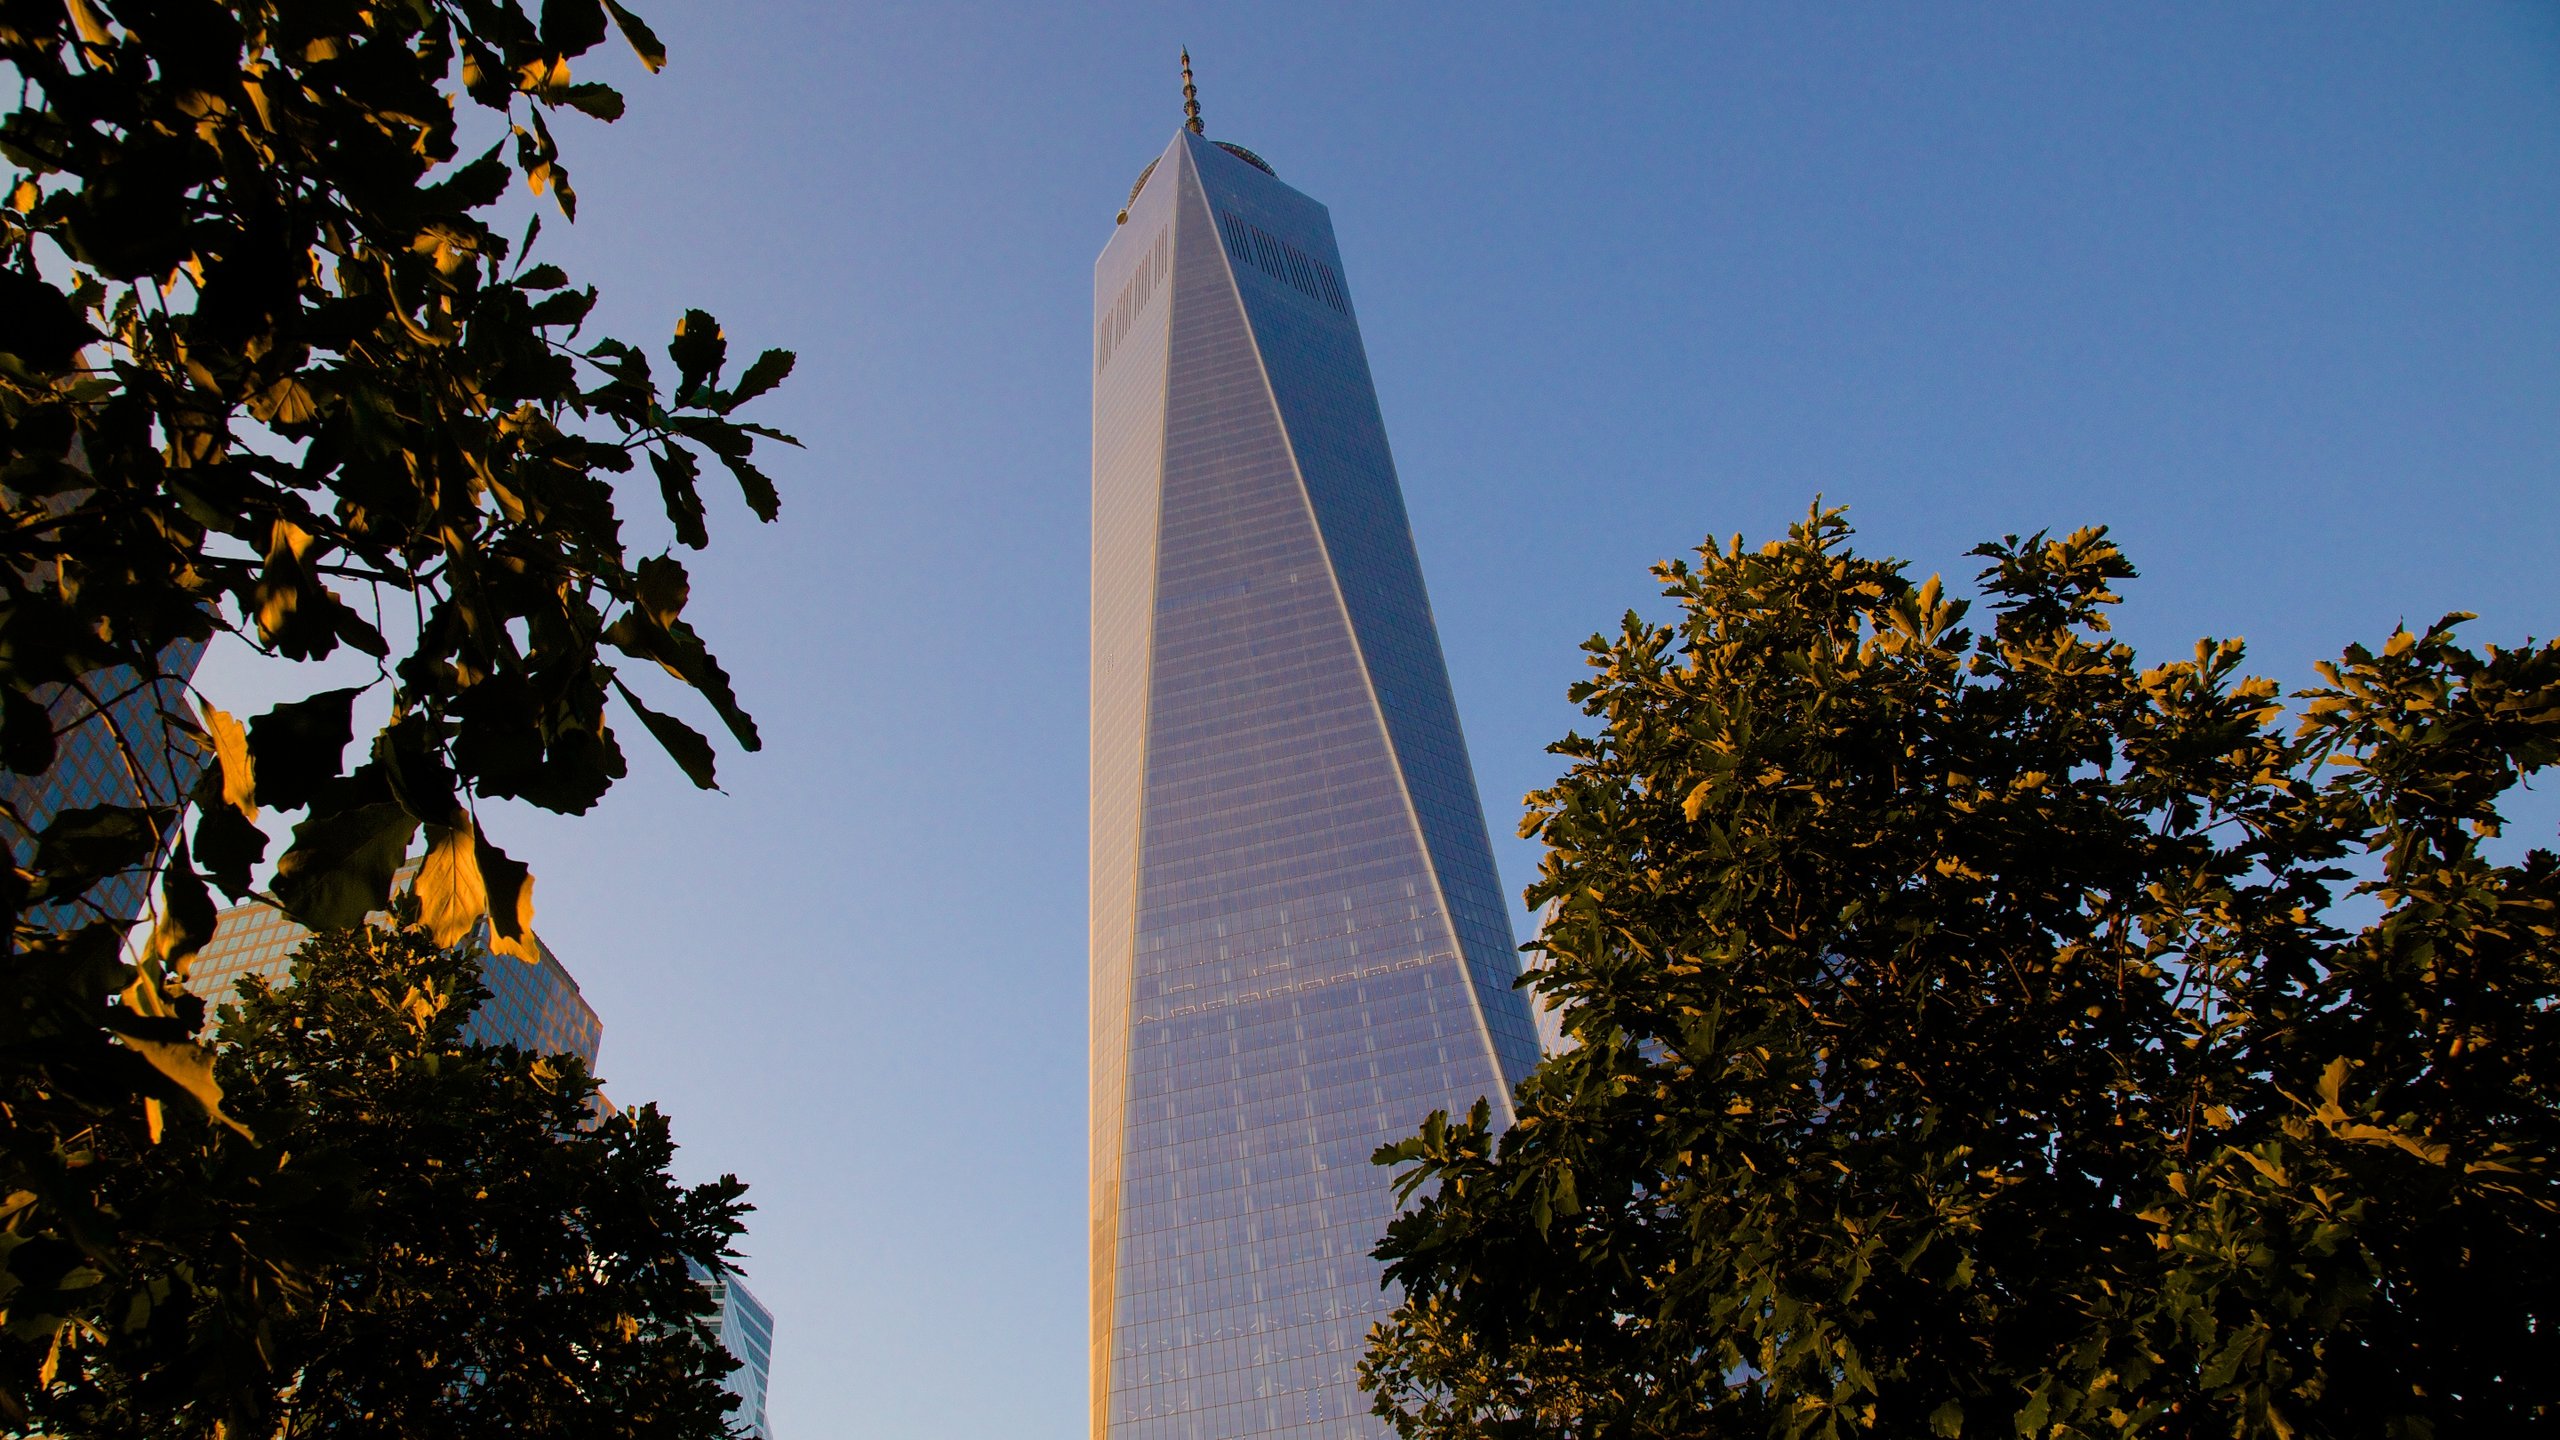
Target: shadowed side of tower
[[1299, 948]]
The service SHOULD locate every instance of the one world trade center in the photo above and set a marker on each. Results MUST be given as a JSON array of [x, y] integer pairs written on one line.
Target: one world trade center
[[1298, 944]]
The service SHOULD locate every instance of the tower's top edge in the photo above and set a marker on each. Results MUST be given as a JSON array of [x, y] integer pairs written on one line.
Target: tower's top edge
[[1247, 156], [1232, 148]]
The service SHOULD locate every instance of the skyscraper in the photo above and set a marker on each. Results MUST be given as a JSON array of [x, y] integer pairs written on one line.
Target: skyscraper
[[1298, 942]]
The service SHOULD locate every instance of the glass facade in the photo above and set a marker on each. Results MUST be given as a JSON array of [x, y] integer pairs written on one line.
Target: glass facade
[[1299, 947], [532, 1007], [111, 748], [746, 1332]]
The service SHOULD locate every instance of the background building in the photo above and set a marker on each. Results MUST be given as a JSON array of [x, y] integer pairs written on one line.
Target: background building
[[1298, 943], [1544, 1014], [112, 747], [746, 1332], [532, 1007]]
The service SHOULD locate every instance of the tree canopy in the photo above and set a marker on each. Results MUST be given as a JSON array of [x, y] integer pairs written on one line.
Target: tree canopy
[[1980, 1033], [479, 1250], [269, 370]]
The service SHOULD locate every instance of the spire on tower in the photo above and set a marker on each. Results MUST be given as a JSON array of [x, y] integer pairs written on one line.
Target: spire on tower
[[1190, 96]]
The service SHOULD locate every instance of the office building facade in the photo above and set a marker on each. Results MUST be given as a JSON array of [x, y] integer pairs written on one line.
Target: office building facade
[[745, 1330], [113, 747], [1298, 943], [535, 1007]]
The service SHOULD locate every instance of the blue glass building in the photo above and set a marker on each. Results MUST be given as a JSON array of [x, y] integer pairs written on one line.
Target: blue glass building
[[113, 747], [534, 1007], [746, 1332], [1298, 943]]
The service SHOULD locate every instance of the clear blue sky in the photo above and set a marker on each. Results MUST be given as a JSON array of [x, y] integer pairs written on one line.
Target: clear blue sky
[[2273, 290]]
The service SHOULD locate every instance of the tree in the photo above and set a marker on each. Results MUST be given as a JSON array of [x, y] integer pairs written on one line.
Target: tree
[[268, 370], [1984, 1035], [492, 1258]]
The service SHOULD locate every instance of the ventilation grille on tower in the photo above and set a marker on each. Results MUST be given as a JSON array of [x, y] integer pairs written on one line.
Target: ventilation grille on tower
[[1113, 326], [1250, 244]]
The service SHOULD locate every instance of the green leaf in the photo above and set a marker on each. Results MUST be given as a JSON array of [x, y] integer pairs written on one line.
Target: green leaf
[[360, 633], [339, 867], [572, 27], [699, 349], [301, 744], [2032, 1415], [663, 589], [568, 307], [682, 742], [768, 432], [38, 323], [755, 486], [185, 918], [510, 889], [229, 847], [679, 477], [769, 370], [26, 733], [90, 842], [644, 42], [416, 771], [682, 652], [473, 186], [601, 101]]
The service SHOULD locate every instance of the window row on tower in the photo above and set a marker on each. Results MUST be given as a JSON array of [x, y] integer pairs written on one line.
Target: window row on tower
[[1140, 287], [1250, 244]]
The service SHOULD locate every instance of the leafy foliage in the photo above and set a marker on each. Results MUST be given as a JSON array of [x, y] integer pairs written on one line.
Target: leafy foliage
[[267, 369], [478, 1253], [1984, 1035]]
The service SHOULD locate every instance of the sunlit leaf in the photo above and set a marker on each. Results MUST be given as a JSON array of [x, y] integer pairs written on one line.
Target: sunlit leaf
[[452, 900], [231, 757], [189, 1066]]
